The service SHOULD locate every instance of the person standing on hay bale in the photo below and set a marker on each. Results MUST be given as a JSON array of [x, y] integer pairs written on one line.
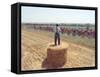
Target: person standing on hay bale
[[57, 35]]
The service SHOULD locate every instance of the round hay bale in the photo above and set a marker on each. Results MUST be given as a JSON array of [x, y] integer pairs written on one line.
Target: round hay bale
[[56, 55]]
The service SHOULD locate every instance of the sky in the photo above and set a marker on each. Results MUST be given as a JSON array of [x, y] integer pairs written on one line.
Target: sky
[[56, 15]]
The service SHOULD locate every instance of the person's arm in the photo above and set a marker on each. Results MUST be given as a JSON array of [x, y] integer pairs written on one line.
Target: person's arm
[[54, 29], [59, 29]]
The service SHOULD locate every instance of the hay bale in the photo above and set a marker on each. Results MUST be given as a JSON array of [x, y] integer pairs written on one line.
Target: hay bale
[[56, 55]]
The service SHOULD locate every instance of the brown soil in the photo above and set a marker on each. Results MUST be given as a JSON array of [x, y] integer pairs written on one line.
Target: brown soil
[[34, 51]]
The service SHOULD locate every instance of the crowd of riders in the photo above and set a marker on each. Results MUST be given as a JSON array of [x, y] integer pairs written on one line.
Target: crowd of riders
[[73, 31]]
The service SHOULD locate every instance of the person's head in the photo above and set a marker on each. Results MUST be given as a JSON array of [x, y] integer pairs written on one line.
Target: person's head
[[56, 25]]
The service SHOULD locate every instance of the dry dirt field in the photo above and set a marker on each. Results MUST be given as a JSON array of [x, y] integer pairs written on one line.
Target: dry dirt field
[[34, 50]]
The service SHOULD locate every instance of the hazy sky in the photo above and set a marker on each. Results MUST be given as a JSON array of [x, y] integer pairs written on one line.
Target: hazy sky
[[56, 15]]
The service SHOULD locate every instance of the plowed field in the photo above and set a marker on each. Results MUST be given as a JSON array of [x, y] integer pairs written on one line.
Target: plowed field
[[34, 50]]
